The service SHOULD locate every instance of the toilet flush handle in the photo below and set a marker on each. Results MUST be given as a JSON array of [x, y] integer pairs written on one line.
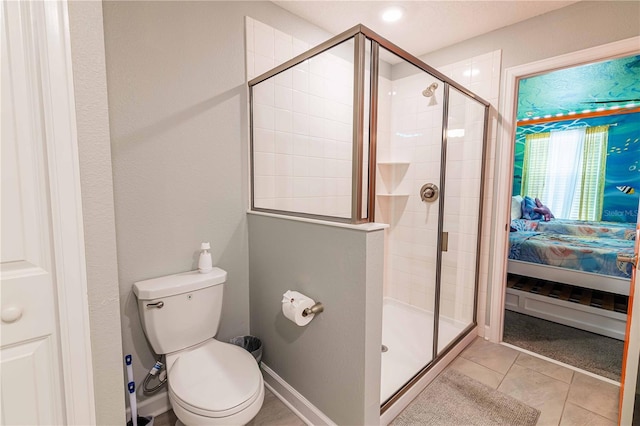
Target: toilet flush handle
[[158, 305]]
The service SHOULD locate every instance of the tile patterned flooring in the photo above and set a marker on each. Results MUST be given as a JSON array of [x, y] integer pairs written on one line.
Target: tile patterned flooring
[[272, 413], [564, 397]]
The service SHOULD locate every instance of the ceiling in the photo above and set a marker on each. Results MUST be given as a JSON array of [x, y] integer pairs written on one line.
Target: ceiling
[[426, 26], [600, 86]]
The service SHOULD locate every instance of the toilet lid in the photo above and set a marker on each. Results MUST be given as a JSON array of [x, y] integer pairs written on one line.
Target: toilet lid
[[215, 377]]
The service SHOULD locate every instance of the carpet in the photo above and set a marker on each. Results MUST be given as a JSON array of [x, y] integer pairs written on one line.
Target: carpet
[[592, 352], [455, 399]]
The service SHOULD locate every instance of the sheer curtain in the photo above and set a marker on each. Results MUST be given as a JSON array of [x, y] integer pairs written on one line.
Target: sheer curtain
[[565, 165], [566, 170], [588, 206], [553, 169]]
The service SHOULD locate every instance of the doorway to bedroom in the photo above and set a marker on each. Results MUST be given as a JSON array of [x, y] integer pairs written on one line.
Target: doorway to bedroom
[[574, 206]]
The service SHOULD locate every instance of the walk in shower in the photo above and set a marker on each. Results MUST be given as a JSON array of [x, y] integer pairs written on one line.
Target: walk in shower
[[357, 130]]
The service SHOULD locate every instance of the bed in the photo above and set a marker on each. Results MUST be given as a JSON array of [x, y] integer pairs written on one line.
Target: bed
[[573, 252], [580, 253]]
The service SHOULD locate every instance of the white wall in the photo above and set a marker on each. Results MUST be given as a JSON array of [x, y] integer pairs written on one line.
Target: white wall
[[92, 119]]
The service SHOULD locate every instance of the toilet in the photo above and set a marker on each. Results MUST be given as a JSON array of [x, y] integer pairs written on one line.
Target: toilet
[[210, 382]]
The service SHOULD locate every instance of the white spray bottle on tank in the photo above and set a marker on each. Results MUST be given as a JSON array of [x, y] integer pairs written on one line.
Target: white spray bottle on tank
[[205, 264]]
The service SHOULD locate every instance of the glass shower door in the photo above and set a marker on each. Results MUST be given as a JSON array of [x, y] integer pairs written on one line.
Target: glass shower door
[[409, 135], [463, 155]]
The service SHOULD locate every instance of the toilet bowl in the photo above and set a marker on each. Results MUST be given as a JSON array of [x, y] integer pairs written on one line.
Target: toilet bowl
[[209, 382], [215, 384]]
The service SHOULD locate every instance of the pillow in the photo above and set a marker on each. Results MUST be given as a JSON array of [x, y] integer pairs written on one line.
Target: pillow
[[516, 207], [528, 204]]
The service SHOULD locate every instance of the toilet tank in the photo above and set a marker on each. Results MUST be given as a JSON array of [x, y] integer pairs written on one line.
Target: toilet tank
[[181, 310]]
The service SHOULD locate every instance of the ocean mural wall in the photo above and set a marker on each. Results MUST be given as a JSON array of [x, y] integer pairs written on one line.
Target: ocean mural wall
[[622, 176]]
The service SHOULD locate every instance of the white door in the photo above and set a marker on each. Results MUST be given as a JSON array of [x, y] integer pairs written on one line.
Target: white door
[[43, 302], [31, 382]]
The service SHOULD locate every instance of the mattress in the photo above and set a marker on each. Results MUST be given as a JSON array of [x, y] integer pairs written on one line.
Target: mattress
[[582, 246]]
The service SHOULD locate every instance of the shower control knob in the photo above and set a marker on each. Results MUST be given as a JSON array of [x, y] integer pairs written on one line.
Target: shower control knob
[[429, 192]]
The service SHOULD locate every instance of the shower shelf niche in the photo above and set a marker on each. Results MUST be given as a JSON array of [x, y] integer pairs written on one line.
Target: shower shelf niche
[[392, 173]]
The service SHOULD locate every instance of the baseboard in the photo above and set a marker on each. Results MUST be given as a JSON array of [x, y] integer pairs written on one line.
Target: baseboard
[[153, 406], [487, 332], [293, 399], [481, 330]]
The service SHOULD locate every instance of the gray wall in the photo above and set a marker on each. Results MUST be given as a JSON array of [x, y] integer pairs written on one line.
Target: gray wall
[[334, 361], [92, 119], [578, 26], [178, 121]]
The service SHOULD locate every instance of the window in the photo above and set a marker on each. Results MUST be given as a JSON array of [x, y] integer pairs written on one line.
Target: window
[[565, 169]]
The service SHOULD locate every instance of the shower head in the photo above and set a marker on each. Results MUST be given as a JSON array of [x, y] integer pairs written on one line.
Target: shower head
[[430, 91]]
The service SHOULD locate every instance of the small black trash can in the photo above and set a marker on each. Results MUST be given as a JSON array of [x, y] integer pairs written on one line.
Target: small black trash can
[[251, 344]]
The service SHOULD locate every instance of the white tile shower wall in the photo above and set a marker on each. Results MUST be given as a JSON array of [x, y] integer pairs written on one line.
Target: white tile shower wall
[[385, 175], [464, 155], [411, 158], [416, 131], [302, 126]]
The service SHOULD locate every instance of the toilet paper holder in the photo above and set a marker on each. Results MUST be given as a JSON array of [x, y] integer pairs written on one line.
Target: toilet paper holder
[[315, 309]]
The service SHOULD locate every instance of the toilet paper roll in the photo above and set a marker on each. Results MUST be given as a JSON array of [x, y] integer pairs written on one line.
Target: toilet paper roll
[[294, 304]]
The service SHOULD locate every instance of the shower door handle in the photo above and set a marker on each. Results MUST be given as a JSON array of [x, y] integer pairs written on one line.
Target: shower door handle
[[444, 245]]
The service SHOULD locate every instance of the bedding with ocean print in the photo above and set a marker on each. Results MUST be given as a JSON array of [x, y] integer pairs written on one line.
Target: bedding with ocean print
[[589, 254], [524, 225], [624, 231]]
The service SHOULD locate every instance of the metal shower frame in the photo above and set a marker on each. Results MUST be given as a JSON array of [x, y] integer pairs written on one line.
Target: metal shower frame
[[359, 33]]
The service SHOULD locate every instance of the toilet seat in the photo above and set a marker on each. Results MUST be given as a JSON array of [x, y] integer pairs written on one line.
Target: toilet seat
[[215, 380]]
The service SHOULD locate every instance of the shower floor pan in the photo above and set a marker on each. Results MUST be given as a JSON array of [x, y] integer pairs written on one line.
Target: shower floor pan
[[407, 332]]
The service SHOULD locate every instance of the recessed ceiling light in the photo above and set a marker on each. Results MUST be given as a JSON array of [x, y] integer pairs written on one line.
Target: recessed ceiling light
[[392, 14]]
